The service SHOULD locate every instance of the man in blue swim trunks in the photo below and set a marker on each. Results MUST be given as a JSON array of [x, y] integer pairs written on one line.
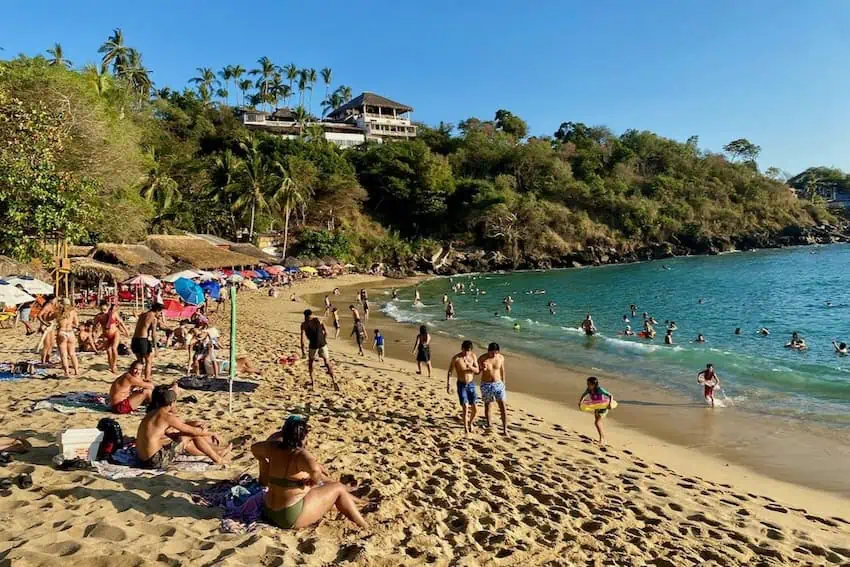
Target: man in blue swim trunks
[[492, 366], [466, 366]]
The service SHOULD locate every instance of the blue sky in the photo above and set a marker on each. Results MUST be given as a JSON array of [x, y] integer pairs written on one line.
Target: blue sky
[[776, 72]]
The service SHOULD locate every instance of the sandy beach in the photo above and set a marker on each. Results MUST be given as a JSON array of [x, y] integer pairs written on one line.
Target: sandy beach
[[548, 495]]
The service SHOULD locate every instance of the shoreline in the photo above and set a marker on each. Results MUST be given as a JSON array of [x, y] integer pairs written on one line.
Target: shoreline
[[676, 429]]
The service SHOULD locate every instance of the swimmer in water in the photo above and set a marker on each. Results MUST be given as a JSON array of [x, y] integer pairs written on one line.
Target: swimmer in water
[[700, 338], [588, 326], [648, 330], [764, 331], [551, 306], [797, 342], [668, 338], [633, 309], [516, 327], [840, 348], [628, 331], [700, 301], [672, 326], [737, 330]]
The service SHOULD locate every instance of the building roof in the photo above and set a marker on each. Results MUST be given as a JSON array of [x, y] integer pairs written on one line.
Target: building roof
[[253, 251], [75, 251], [215, 240], [138, 258], [88, 268], [197, 252], [284, 113], [370, 99]]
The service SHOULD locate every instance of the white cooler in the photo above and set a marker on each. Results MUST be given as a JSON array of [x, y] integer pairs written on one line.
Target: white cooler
[[80, 443]]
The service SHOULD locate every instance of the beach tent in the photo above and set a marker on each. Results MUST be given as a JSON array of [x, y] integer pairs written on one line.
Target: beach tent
[[189, 291], [143, 280], [30, 285], [11, 295], [213, 288], [187, 274]]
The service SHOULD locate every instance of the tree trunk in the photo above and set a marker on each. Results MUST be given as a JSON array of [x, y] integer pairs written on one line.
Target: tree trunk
[[251, 228], [285, 232]]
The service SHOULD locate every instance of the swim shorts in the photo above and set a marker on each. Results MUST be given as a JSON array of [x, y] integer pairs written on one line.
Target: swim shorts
[[122, 407], [380, 350], [323, 352], [141, 346], [466, 393], [493, 392], [162, 458], [708, 391]]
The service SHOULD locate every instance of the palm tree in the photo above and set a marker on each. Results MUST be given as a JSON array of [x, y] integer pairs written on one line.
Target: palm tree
[[206, 77], [224, 175], [327, 77], [245, 86], [99, 76], [276, 88], [58, 57], [303, 76], [226, 74], [222, 93], [266, 72], [291, 72], [311, 82], [236, 72], [158, 187], [114, 51], [286, 197], [204, 94], [136, 75], [331, 102], [254, 182], [301, 116], [344, 93]]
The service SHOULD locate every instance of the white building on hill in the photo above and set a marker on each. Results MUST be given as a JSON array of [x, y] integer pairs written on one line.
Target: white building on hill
[[366, 117]]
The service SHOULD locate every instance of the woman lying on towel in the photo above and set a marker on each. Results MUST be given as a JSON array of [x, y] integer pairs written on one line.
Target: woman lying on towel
[[300, 492]]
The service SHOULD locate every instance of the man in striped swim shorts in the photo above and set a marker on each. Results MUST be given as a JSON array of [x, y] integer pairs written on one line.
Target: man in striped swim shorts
[[492, 367]]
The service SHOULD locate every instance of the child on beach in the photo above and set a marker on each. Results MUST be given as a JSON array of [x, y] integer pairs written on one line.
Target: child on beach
[[378, 343], [597, 393]]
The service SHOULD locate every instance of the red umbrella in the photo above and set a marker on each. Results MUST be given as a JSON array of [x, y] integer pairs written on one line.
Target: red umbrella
[[274, 270], [250, 274]]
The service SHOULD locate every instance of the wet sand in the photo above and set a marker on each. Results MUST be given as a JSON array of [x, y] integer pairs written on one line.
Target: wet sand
[[547, 495]]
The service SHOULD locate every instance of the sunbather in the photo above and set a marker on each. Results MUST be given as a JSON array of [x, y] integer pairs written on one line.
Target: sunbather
[[162, 435], [130, 390], [300, 492]]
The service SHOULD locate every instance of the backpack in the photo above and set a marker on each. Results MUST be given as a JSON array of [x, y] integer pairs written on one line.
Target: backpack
[[113, 439]]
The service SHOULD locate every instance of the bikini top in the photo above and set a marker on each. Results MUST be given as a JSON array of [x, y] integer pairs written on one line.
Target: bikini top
[[284, 482]]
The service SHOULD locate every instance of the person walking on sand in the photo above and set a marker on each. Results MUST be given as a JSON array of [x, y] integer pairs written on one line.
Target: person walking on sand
[[130, 390], [354, 312], [422, 350], [336, 325], [597, 392], [300, 492], [328, 305], [144, 342], [317, 338], [465, 365], [47, 325], [162, 435], [378, 344], [710, 381], [493, 385], [66, 338], [359, 334], [112, 327]]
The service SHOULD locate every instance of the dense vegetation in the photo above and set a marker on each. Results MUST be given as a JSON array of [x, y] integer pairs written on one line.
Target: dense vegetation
[[97, 154]]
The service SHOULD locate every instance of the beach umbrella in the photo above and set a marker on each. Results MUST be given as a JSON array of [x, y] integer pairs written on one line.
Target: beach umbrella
[[308, 269], [143, 279], [263, 274], [11, 295], [274, 270], [30, 285], [249, 274], [213, 288], [187, 274], [249, 284], [205, 275], [189, 291], [233, 278]]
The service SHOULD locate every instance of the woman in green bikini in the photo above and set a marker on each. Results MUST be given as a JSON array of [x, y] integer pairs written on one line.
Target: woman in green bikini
[[300, 492]]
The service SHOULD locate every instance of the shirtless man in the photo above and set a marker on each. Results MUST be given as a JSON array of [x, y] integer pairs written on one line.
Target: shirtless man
[[47, 320], [130, 390], [354, 313], [112, 329], [710, 380], [162, 435], [492, 366], [328, 305], [465, 365], [144, 339], [317, 338]]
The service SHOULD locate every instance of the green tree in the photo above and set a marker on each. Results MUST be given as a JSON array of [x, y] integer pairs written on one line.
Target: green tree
[[236, 73], [742, 149], [510, 124], [290, 71], [253, 183], [266, 72], [57, 56], [244, 87], [286, 196], [114, 51], [327, 77], [226, 74], [206, 82]]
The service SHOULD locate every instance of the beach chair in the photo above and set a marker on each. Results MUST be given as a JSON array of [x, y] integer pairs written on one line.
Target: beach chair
[[176, 310]]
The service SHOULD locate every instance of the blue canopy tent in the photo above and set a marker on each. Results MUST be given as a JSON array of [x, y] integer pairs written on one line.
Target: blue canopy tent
[[213, 288], [264, 274], [189, 291]]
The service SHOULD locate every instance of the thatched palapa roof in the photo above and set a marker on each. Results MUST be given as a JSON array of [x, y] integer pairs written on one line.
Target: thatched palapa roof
[[88, 268], [368, 99], [254, 252], [197, 252], [76, 251], [136, 258]]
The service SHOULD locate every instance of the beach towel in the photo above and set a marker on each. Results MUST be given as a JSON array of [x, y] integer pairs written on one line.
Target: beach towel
[[124, 463], [207, 384], [7, 370], [74, 402], [240, 500]]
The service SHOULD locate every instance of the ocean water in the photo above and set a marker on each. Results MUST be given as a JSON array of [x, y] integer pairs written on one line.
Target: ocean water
[[804, 289]]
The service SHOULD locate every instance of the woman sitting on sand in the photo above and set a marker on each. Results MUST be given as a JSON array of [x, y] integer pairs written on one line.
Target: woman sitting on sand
[[299, 491]]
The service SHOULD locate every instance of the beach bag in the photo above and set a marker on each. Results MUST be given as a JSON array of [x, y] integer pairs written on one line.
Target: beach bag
[[123, 350], [113, 439]]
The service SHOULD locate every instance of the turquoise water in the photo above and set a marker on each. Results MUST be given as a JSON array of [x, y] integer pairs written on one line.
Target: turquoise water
[[783, 290]]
